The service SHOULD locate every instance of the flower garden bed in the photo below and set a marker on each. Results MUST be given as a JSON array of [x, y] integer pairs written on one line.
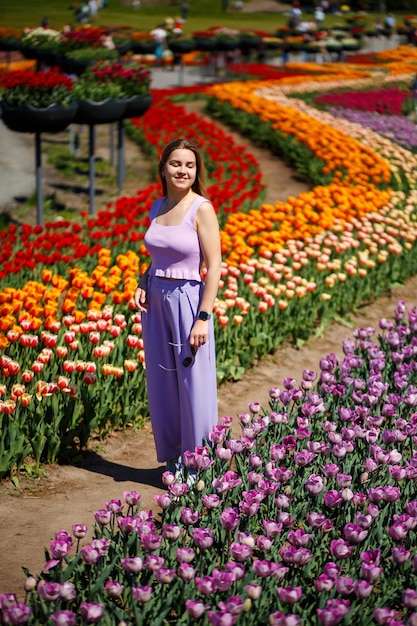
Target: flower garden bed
[[313, 506]]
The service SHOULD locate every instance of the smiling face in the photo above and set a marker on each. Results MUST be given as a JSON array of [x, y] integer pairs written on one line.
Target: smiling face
[[180, 170]]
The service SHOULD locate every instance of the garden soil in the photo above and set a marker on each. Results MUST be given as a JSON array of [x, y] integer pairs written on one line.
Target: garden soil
[[33, 511]]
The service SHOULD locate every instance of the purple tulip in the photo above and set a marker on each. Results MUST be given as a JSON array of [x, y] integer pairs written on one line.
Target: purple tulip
[[353, 533], [299, 556], [240, 552], [316, 520], [230, 519], [409, 598], [280, 619], [290, 595], [205, 585], [363, 589], [185, 555], [163, 500], [64, 618], [330, 470], [18, 613], [222, 579], [103, 517], [264, 543], [92, 612], [332, 570], [271, 528], [178, 489], [332, 498], [264, 568], [142, 593], [383, 615], [324, 583], [195, 608], [60, 549], [340, 549], [132, 498], [222, 618], [314, 484], [153, 562], [101, 545], [67, 591], [48, 591], [411, 508], [334, 612], [370, 572], [211, 501], [151, 541], [164, 575], [113, 588], [115, 506], [189, 517], [203, 538], [128, 524], [283, 501], [186, 571], [304, 457], [253, 591], [345, 585], [132, 565], [398, 532], [299, 538], [400, 554]]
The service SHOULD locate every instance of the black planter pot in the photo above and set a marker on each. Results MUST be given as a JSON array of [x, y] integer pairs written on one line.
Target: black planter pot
[[249, 43], [137, 106], [124, 48], [11, 45], [52, 59], [144, 47], [205, 45], [70, 66], [29, 52], [226, 46], [29, 119], [105, 112], [181, 47]]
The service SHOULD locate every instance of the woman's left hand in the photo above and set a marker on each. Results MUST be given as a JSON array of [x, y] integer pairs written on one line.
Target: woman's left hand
[[199, 333]]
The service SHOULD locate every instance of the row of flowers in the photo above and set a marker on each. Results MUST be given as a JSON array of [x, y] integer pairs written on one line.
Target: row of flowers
[[42, 89], [308, 517], [332, 251]]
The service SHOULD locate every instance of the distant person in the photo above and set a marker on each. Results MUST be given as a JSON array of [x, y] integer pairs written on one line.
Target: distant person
[[160, 34], [45, 22], [185, 7], [389, 24], [93, 7], [319, 17], [285, 51]]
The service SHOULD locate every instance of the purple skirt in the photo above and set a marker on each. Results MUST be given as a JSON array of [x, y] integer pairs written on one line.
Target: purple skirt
[[182, 387]]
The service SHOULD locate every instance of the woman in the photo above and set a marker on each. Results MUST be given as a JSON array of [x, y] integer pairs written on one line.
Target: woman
[[176, 306]]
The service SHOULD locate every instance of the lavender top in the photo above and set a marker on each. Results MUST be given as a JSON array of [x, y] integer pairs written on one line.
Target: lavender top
[[175, 250]]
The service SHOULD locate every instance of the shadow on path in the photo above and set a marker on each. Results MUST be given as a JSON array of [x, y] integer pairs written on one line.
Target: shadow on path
[[123, 473]]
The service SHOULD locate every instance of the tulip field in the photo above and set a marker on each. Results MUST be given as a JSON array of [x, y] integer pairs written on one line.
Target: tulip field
[[309, 517]]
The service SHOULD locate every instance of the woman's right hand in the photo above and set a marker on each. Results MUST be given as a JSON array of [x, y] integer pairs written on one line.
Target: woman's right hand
[[140, 299]]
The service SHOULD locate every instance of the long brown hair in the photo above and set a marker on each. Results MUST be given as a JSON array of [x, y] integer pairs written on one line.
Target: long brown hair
[[181, 144]]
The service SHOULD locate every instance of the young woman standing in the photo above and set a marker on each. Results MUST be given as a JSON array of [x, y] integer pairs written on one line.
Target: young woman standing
[[177, 306]]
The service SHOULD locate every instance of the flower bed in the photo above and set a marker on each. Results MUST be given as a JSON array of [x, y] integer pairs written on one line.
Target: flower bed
[[309, 517], [67, 334]]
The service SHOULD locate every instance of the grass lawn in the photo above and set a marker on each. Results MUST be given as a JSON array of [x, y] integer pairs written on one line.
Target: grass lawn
[[202, 14]]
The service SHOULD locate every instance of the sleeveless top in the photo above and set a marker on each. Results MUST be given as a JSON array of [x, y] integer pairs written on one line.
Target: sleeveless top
[[175, 250]]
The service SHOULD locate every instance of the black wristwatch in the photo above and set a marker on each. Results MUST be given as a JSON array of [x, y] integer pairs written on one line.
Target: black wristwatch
[[203, 315]]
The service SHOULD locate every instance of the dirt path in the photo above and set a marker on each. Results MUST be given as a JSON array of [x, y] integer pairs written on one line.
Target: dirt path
[[67, 495]]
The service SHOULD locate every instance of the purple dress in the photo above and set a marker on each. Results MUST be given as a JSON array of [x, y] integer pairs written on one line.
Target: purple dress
[[182, 388]]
